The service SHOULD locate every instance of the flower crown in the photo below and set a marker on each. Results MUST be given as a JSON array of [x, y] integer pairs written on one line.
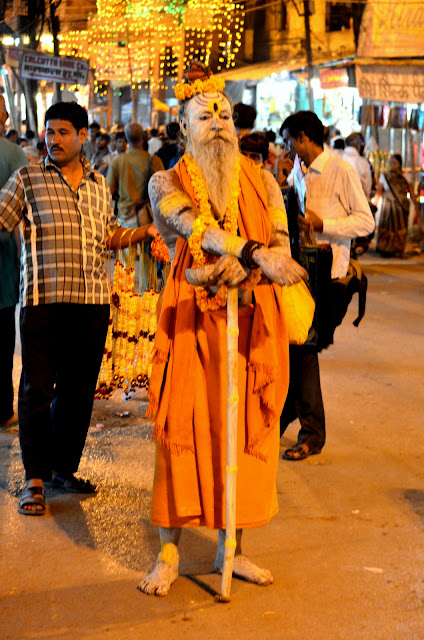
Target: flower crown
[[197, 79]]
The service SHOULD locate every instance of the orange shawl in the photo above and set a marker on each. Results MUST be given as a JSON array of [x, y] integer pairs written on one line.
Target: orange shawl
[[172, 384]]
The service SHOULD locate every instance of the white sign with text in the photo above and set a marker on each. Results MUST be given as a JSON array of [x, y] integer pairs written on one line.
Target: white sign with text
[[38, 66]]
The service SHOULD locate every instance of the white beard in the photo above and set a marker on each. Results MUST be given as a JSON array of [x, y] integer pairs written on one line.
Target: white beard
[[216, 155]]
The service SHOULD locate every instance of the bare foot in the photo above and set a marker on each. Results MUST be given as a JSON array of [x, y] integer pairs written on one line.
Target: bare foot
[[244, 568], [11, 425], [164, 574]]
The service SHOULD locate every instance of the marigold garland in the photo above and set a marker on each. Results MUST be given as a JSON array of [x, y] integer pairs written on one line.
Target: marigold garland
[[127, 357], [205, 301], [159, 250], [185, 90]]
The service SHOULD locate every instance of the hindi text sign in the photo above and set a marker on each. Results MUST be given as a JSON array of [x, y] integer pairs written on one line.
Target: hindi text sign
[[390, 83]]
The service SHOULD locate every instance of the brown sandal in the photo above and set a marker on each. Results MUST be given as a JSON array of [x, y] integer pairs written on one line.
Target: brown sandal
[[300, 451], [33, 497]]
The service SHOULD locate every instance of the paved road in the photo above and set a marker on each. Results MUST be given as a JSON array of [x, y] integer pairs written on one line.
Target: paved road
[[346, 549]]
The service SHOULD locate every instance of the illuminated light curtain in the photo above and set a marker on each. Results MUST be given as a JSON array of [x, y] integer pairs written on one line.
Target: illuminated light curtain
[[143, 41]]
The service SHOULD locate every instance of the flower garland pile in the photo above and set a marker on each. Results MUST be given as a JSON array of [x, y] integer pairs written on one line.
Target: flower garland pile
[[127, 356]]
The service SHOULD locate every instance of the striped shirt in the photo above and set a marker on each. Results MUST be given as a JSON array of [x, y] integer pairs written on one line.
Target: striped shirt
[[64, 233]]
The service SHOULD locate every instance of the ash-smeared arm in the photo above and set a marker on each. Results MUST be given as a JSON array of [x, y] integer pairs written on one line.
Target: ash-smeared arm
[[174, 210]]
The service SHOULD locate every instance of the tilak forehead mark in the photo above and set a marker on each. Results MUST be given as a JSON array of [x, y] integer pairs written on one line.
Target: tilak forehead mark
[[203, 100], [215, 108]]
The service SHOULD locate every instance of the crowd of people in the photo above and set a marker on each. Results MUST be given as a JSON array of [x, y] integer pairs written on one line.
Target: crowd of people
[[231, 206], [389, 194]]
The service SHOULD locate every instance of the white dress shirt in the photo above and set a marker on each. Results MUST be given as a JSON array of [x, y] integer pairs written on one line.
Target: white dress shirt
[[334, 193], [154, 145], [361, 165]]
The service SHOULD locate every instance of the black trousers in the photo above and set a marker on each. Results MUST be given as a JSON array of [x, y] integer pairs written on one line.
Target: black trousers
[[62, 348], [304, 397], [7, 348]]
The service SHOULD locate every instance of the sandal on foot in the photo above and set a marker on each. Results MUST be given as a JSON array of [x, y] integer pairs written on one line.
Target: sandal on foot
[[71, 484], [300, 451], [32, 497]]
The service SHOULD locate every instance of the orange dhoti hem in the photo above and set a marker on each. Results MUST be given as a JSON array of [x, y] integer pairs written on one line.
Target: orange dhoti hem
[[189, 487]]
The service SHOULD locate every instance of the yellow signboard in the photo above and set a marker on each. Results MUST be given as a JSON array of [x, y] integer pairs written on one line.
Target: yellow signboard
[[392, 29]]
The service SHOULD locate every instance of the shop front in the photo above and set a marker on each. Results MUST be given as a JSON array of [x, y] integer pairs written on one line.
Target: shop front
[[276, 93], [390, 79], [393, 107]]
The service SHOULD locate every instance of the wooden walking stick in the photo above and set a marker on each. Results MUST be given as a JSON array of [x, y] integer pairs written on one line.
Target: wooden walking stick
[[198, 277], [232, 418]]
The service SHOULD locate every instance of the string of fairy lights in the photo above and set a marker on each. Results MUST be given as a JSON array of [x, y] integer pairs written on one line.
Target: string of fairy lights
[[144, 43]]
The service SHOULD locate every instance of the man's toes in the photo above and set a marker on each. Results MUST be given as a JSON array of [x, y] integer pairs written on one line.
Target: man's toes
[[265, 578], [162, 590], [152, 589], [159, 581], [244, 568], [145, 586]]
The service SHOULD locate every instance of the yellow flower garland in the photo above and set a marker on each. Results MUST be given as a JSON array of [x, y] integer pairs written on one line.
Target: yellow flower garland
[[185, 90], [205, 301], [129, 345]]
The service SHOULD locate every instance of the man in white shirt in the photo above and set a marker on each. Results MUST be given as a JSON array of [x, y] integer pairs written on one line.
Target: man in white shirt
[[336, 206], [352, 155], [335, 202], [155, 143]]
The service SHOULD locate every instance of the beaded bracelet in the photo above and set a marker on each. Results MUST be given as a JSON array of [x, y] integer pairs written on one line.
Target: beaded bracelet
[[247, 253]]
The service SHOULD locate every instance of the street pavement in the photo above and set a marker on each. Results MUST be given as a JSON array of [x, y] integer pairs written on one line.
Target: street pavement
[[346, 548]]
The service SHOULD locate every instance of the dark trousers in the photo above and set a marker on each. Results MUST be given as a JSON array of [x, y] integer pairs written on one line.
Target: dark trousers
[[7, 348], [304, 398], [62, 348]]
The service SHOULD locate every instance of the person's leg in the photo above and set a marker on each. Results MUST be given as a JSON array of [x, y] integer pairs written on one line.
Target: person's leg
[[243, 567], [309, 407], [165, 572], [309, 404], [36, 389], [7, 348], [289, 413], [83, 331]]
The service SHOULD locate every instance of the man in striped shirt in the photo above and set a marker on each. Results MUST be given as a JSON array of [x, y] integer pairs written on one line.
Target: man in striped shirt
[[64, 212]]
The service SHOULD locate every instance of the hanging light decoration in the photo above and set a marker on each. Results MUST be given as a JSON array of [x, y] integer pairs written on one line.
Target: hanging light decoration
[[141, 42]]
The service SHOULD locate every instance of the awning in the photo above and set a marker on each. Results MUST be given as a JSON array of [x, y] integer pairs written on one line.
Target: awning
[[257, 71], [263, 70]]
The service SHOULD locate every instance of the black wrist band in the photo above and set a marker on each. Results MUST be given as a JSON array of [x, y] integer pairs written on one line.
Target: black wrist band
[[247, 253]]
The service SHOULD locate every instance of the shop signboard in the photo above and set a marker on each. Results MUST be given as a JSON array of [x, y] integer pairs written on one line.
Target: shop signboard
[[333, 78], [386, 83], [38, 66], [392, 29]]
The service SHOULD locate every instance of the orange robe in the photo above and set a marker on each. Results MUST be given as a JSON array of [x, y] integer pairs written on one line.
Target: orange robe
[[188, 390]]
